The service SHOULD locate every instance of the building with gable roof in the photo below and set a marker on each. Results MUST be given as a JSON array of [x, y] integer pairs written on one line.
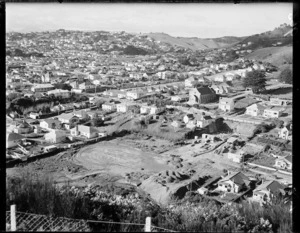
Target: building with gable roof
[[233, 182], [266, 190], [201, 95], [86, 131]]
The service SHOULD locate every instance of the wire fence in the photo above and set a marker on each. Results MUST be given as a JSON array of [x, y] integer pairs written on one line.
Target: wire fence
[[38, 222]]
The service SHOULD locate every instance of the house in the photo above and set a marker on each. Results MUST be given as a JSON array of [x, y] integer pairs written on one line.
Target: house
[[86, 131], [190, 82], [81, 114], [86, 85], [234, 182], [122, 95], [68, 119], [155, 110], [109, 107], [264, 192], [278, 102], [237, 156], [34, 115], [220, 78], [208, 137], [124, 107], [187, 118], [13, 139], [66, 107], [226, 104], [203, 120], [191, 124], [59, 92], [201, 95], [134, 94], [145, 109], [177, 124], [92, 115], [284, 162], [45, 87], [55, 136], [48, 124], [179, 98], [286, 132], [274, 112], [23, 128], [255, 110]]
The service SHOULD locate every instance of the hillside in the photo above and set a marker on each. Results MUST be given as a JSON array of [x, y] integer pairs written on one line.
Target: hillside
[[278, 56], [194, 43]]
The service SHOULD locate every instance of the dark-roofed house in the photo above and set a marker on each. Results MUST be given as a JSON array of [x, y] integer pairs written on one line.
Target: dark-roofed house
[[266, 190], [203, 120], [201, 95], [233, 182], [23, 128]]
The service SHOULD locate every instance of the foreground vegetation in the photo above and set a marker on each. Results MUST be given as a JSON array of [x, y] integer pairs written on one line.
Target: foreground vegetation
[[40, 195]]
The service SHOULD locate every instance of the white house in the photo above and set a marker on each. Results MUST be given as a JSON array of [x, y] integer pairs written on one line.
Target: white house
[[48, 124], [284, 162], [203, 120], [233, 182], [34, 115], [255, 110], [272, 113], [134, 94], [188, 117], [285, 132], [145, 109], [109, 107], [55, 136], [236, 157], [86, 131], [226, 104]]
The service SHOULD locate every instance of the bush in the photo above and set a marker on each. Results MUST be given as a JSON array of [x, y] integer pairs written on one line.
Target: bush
[[286, 76]]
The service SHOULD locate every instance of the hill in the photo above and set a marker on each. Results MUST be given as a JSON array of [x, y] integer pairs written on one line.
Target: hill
[[194, 43], [278, 56]]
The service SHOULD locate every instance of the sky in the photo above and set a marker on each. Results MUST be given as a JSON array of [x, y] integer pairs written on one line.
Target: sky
[[201, 20]]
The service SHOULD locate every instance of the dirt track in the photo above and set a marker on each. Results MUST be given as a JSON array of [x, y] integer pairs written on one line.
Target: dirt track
[[118, 159]]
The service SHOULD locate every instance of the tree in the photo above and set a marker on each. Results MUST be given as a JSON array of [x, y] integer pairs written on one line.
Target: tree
[[96, 122], [286, 76], [256, 80]]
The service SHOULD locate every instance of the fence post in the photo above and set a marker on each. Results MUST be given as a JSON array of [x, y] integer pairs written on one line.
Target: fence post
[[13, 222], [148, 224]]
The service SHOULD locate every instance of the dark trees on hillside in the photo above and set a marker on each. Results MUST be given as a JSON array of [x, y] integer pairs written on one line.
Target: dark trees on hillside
[[286, 76], [256, 80]]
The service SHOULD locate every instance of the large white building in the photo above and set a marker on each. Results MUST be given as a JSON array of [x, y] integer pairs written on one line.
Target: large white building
[[59, 92], [42, 87]]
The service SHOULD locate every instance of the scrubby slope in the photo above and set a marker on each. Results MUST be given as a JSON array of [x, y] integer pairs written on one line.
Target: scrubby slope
[[277, 56]]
